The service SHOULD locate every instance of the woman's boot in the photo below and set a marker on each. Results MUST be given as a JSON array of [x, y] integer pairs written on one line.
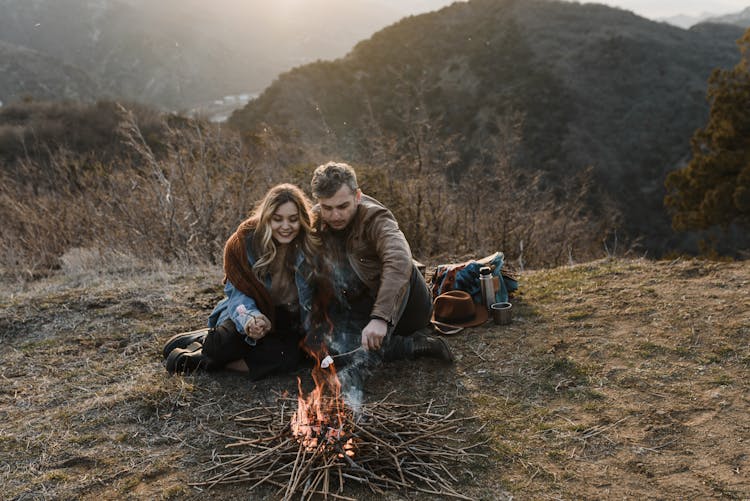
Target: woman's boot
[[188, 360]]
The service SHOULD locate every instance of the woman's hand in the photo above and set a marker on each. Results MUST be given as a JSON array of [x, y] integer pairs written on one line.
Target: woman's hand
[[257, 326]]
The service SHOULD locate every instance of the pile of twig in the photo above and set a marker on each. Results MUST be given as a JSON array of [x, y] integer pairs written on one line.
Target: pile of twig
[[394, 446]]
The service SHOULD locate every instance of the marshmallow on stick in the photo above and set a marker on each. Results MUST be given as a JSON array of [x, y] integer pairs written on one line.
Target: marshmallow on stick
[[326, 362]]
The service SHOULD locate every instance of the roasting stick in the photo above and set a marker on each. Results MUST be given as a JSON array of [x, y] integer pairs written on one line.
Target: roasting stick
[[328, 360]]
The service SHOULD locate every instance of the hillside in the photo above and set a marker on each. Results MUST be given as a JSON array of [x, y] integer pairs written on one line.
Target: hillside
[[588, 85], [617, 379], [26, 72], [131, 52], [179, 54]]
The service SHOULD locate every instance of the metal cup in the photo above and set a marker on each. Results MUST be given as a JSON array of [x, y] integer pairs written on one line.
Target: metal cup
[[501, 313]]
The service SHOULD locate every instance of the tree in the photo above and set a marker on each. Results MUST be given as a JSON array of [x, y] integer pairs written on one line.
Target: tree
[[714, 188]]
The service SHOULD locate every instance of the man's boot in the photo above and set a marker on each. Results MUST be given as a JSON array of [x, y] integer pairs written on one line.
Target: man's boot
[[183, 340], [427, 346], [188, 360]]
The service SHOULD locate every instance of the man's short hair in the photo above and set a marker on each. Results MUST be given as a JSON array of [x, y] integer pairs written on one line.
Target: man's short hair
[[329, 177]]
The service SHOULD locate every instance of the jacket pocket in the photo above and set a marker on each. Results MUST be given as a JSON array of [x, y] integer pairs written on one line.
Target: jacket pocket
[[366, 263]]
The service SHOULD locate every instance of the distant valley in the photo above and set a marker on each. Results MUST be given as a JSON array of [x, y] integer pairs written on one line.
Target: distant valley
[[176, 55]]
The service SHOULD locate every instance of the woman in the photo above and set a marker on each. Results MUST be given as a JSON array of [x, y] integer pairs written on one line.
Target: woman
[[268, 266]]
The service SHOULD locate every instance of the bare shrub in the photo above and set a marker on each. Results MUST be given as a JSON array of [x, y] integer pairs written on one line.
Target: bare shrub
[[74, 209], [177, 206], [450, 208], [204, 179], [36, 130]]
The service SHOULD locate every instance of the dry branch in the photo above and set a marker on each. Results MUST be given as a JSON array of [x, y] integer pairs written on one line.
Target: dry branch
[[390, 446]]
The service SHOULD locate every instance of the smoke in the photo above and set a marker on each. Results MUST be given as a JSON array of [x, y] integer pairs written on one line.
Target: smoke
[[352, 380], [355, 368], [337, 326]]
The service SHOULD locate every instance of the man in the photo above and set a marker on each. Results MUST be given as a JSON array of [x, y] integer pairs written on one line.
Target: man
[[379, 287]]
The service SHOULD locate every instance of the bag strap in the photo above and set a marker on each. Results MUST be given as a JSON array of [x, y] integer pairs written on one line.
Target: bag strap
[[446, 329]]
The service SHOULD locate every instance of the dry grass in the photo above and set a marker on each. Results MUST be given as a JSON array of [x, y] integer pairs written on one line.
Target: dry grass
[[617, 379]]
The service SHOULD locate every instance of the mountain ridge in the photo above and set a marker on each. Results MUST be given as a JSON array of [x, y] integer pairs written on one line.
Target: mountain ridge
[[741, 18], [597, 87], [175, 54]]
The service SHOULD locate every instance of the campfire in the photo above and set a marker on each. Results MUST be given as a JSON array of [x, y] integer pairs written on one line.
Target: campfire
[[322, 417], [322, 446]]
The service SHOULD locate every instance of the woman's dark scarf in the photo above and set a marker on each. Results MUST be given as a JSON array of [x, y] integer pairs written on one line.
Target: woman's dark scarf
[[238, 271]]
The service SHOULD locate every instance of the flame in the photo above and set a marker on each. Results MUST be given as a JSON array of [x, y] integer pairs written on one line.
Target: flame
[[321, 416]]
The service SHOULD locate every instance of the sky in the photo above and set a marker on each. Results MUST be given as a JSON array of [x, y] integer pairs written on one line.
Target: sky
[[657, 9]]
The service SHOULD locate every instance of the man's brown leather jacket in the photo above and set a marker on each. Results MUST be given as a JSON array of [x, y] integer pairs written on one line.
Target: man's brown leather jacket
[[379, 254]]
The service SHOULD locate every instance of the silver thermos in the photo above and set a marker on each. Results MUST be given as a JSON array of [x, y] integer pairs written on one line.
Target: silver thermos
[[487, 284]]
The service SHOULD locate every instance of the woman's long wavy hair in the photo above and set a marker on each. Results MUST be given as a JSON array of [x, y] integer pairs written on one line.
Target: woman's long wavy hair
[[263, 244]]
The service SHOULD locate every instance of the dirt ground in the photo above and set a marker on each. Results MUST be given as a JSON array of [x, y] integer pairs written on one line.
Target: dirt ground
[[618, 379]]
